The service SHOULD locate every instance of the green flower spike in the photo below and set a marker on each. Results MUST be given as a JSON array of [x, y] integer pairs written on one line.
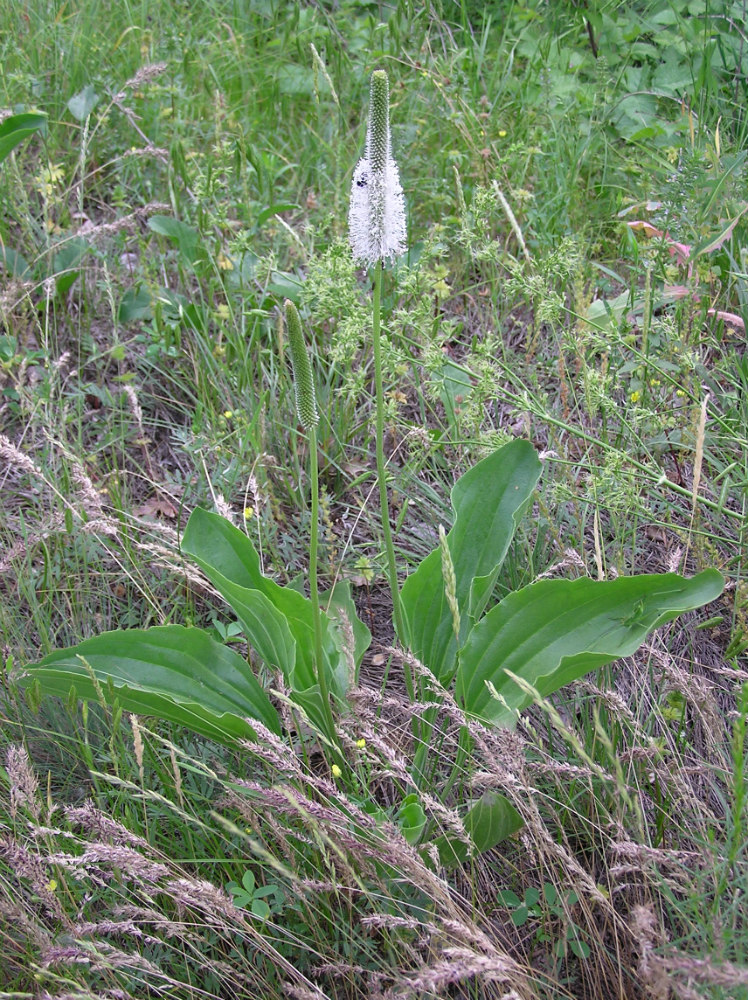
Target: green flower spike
[[306, 398]]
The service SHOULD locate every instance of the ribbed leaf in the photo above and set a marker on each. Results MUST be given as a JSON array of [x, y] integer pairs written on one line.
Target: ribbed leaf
[[176, 673], [16, 128], [490, 820], [555, 631], [232, 564], [488, 502]]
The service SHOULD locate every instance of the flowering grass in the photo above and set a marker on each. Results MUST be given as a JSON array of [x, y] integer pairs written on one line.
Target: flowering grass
[[142, 374]]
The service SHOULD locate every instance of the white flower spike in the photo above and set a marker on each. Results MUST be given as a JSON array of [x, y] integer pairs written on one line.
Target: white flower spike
[[376, 219]]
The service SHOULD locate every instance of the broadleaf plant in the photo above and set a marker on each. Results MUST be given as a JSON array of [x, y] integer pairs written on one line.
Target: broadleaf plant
[[530, 644], [538, 638]]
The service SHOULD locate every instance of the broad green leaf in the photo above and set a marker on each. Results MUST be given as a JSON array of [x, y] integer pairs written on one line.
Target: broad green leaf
[[15, 265], [178, 308], [555, 631], [455, 390], [488, 502], [16, 128], [186, 237], [340, 608], [411, 818], [65, 262], [82, 104], [232, 564], [136, 304], [297, 80], [175, 673], [604, 314], [490, 820], [285, 286]]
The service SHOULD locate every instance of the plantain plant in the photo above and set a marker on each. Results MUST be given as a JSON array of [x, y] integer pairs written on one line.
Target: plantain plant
[[496, 657]]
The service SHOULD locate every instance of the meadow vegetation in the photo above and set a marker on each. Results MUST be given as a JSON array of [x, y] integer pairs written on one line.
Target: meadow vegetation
[[575, 280]]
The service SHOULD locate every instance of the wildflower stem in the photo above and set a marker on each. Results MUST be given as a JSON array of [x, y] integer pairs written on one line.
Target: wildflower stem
[[324, 689], [381, 471], [306, 410], [313, 586]]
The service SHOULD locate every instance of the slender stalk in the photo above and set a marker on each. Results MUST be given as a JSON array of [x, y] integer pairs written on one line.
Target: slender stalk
[[381, 470], [306, 410], [313, 588]]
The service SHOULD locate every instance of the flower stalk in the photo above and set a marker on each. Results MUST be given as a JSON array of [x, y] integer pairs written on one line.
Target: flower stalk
[[308, 414], [377, 232]]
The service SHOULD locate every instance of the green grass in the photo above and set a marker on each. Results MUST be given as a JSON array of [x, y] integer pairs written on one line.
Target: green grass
[[162, 222]]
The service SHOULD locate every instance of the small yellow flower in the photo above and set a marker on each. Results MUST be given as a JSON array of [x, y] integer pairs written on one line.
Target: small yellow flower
[[635, 396], [249, 513], [228, 414], [680, 393], [336, 772], [502, 133], [51, 885], [225, 263], [361, 744], [222, 311]]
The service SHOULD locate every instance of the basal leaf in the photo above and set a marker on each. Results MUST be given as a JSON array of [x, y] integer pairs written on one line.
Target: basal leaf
[[175, 673], [232, 564], [488, 502], [490, 820], [555, 631], [16, 128]]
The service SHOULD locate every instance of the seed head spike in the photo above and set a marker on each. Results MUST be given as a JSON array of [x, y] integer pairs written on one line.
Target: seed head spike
[[303, 378]]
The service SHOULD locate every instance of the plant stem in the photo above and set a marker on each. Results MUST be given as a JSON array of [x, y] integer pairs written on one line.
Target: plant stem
[[381, 477], [313, 588]]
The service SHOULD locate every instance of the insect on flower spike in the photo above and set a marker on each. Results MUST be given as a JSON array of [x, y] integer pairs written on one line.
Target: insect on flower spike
[[377, 213]]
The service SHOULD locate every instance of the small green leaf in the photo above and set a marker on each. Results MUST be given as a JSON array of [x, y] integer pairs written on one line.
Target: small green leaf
[[82, 104], [489, 821], [508, 898], [260, 908], [186, 237], [579, 948], [264, 890], [520, 916], [66, 261], [14, 264], [272, 210], [135, 305], [285, 286], [411, 819], [492, 819], [715, 241]]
